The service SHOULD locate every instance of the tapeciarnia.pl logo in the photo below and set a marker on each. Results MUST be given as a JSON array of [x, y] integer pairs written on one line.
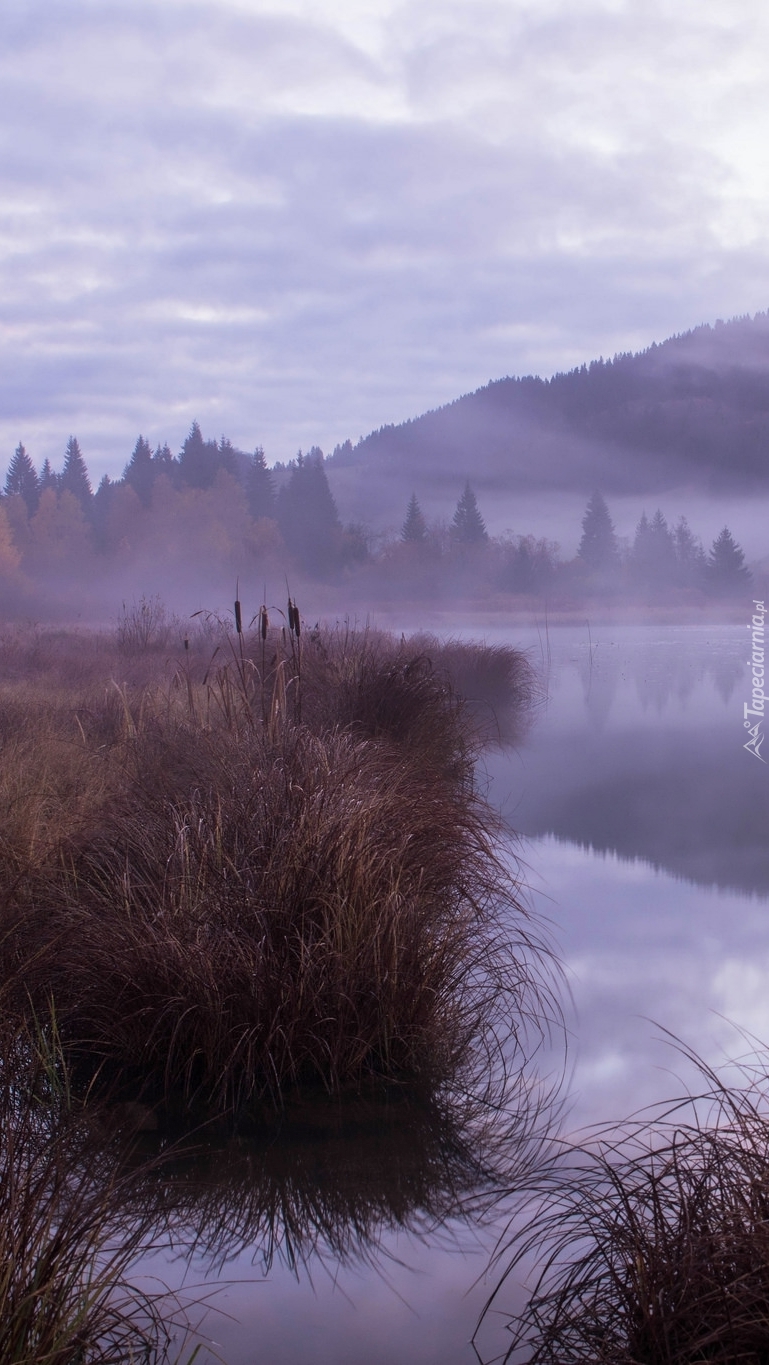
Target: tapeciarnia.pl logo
[[755, 707]]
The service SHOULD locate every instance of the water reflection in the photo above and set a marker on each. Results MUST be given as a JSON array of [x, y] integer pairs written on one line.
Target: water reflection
[[647, 825], [639, 753], [327, 1182]]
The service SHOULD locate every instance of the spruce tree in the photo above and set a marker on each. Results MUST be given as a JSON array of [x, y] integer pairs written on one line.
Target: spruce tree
[[48, 480], [260, 487], [22, 481], [414, 530], [74, 476], [163, 461], [725, 571], [468, 526], [653, 560], [199, 460], [689, 556], [140, 471], [307, 514], [598, 548]]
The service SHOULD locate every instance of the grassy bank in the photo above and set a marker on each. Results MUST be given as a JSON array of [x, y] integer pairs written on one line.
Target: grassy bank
[[234, 865]]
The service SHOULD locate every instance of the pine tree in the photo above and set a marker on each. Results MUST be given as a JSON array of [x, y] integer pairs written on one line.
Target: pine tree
[[414, 530], [163, 461], [22, 481], [47, 477], [689, 556], [307, 514], [140, 471], [102, 499], [260, 487], [468, 526], [228, 457], [653, 560], [725, 571], [199, 460], [598, 548], [598, 545], [74, 476]]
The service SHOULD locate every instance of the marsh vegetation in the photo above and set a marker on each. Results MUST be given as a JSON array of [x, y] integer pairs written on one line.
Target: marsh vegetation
[[243, 870]]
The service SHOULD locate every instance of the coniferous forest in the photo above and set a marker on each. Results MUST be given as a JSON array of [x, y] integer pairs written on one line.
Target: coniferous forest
[[197, 520]]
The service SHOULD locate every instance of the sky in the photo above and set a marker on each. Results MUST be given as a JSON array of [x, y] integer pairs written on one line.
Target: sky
[[298, 220]]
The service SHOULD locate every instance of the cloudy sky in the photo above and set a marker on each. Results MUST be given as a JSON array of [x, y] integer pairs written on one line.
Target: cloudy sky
[[296, 220]]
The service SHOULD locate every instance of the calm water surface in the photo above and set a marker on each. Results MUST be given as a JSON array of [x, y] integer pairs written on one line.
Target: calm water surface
[[644, 825]]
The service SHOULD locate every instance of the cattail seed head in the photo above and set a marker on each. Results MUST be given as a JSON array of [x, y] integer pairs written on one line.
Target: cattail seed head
[[263, 622], [238, 618]]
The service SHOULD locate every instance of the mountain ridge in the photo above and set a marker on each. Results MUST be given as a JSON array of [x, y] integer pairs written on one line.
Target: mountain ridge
[[691, 409]]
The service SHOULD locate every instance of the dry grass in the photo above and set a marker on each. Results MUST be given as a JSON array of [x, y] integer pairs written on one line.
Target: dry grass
[[272, 871], [66, 1248], [653, 1239]]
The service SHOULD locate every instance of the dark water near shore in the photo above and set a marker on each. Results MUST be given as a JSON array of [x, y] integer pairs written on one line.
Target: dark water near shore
[[644, 825]]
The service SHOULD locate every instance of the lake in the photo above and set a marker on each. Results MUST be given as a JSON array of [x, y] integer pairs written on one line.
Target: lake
[[643, 833]]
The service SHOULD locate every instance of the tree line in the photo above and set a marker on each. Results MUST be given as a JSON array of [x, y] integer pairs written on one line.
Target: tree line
[[215, 504]]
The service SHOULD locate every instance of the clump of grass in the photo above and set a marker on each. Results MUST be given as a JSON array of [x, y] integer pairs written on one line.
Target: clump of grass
[[654, 1239], [66, 1297], [144, 625], [256, 893], [318, 910]]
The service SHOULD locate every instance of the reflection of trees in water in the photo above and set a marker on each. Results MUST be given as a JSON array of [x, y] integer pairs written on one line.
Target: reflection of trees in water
[[600, 678], [726, 674], [658, 675]]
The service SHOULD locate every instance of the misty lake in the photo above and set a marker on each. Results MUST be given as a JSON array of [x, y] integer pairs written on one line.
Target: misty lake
[[643, 826]]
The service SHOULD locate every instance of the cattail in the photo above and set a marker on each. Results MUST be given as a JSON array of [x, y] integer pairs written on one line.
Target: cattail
[[263, 622], [297, 625], [186, 643], [238, 618]]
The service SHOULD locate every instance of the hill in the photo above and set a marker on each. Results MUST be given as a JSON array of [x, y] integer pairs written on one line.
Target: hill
[[692, 410]]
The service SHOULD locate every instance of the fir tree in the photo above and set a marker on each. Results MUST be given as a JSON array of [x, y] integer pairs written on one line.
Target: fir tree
[[689, 556], [307, 514], [653, 559], [163, 461], [22, 481], [598, 547], [725, 571], [228, 457], [140, 471], [48, 480], [468, 526], [199, 460], [260, 487], [414, 529], [102, 500], [74, 476]]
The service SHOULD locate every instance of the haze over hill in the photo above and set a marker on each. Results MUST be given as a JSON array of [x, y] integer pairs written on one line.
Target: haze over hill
[[690, 412]]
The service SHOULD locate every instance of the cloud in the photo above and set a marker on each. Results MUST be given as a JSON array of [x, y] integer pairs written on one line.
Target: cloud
[[297, 222]]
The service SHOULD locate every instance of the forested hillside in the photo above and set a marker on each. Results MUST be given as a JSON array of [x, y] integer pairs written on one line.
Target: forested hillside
[[693, 410]]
